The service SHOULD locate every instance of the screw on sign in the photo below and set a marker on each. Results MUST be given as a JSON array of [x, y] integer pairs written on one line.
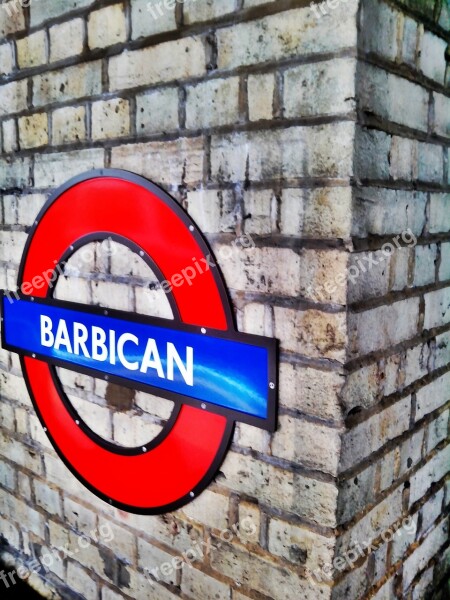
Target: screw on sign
[[215, 375]]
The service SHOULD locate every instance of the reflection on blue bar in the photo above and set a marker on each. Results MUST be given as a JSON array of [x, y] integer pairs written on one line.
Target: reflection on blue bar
[[224, 372]]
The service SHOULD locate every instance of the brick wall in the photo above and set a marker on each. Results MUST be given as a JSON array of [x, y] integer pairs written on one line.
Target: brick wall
[[322, 141]]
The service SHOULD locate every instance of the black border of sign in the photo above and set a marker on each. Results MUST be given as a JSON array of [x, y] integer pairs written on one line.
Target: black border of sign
[[269, 344], [228, 433]]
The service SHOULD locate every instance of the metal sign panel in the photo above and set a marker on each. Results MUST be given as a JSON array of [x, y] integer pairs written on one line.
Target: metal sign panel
[[215, 375]]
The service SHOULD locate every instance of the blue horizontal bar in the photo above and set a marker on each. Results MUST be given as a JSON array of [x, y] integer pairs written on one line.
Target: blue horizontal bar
[[229, 373]]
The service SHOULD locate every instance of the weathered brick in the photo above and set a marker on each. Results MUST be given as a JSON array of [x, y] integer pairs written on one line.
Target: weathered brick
[[13, 97], [324, 276], [133, 430], [379, 29], [400, 323], [66, 39], [110, 119], [311, 332], [213, 103], [206, 208], [293, 33], [370, 435], [9, 135], [362, 388], [106, 27], [259, 209], [157, 111], [372, 154], [322, 212], [437, 308], [67, 84], [432, 396], [47, 498], [79, 517], [6, 59], [320, 448], [44, 10], [431, 163], [442, 352], [33, 131], [154, 561], [431, 510], [165, 62], [12, 18], [255, 269], [374, 523], [263, 576], [151, 17], [196, 584], [210, 508], [285, 153], [49, 172], [432, 57], [208, 9], [261, 96], [19, 512], [32, 50], [78, 577], [433, 471], [421, 556], [393, 98], [167, 163], [322, 88], [68, 125], [441, 124], [382, 211], [439, 213], [312, 499], [403, 158], [299, 545], [425, 265], [410, 41]]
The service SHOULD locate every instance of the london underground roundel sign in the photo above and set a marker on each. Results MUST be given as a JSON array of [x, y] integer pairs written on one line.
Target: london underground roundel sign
[[215, 375]]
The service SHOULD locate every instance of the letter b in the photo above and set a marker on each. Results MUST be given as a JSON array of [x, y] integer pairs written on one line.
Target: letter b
[[47, 337]]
